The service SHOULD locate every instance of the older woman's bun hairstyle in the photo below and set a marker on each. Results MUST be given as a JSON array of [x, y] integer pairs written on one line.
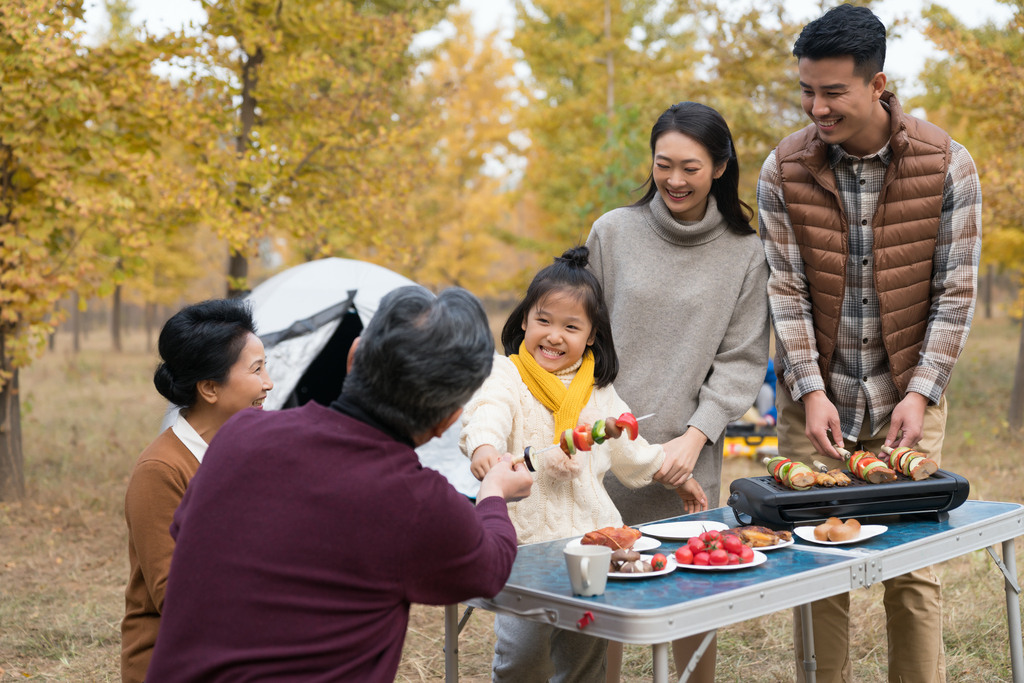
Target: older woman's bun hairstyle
[[201, 342]]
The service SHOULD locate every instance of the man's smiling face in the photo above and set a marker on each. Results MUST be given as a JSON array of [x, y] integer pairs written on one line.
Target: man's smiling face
[[842, 104]]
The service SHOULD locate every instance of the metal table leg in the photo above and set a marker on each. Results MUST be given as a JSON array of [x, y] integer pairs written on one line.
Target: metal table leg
[[451, 644], [1013, 613], [661, 663], [807, 628], [695, 659]]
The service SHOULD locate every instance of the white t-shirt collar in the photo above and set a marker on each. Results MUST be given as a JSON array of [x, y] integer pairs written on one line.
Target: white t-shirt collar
[[190, 437]]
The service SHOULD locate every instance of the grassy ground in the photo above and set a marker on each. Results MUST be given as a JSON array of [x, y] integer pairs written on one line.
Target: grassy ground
[[63, 560]]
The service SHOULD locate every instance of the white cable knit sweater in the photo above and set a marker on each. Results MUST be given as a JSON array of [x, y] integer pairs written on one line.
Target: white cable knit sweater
[[504, 414]]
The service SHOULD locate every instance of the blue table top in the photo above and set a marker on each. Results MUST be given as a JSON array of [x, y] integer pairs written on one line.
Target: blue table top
[[540, 567]]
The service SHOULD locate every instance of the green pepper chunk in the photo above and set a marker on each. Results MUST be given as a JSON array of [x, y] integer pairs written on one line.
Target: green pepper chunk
[[598, 432]]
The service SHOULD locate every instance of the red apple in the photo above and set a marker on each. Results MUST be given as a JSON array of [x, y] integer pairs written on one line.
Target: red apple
[[717, 558], [702, 558]]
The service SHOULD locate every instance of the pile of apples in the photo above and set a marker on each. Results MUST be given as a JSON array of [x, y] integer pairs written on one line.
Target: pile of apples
[[715, 549]]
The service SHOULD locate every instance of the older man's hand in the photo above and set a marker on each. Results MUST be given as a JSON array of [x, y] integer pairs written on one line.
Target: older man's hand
[[503, 480]]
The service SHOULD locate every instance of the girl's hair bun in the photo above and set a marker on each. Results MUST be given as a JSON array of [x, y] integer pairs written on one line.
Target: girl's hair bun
[[577, 256]]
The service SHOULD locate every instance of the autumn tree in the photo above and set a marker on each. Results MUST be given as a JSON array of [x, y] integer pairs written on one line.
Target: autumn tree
[[305, 130], [600, 72], [75, 152], [468, 99], [977, 94]]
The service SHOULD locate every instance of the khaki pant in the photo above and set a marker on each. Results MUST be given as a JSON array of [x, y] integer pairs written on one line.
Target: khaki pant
[[913, 602]]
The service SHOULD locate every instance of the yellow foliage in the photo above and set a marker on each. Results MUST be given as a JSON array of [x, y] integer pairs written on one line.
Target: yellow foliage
[[977, 94]]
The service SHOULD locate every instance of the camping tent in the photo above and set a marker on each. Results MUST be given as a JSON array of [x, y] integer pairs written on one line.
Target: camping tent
[[307, 317]]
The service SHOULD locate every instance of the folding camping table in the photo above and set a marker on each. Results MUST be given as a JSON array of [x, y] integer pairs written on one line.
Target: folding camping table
[[684, 602]]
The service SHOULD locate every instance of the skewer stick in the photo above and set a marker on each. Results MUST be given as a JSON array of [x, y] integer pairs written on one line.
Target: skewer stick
[[886, 449], [821, 466]]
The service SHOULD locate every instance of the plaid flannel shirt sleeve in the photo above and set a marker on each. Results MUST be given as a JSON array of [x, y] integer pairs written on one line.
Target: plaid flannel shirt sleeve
[[788, 294], [954, 277]]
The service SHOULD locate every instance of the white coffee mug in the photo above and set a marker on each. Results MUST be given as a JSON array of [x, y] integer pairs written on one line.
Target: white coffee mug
[[588, 568]]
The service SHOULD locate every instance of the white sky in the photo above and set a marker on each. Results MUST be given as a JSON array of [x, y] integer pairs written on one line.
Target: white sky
[[904, 60]]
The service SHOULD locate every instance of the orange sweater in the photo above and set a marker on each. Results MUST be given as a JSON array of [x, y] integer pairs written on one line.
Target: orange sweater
[[156, 486]]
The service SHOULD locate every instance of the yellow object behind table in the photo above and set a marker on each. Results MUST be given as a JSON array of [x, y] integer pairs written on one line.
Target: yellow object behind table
[[751, 446]]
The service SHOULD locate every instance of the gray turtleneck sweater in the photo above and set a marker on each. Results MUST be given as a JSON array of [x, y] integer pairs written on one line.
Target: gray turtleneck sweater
[[689, 313]]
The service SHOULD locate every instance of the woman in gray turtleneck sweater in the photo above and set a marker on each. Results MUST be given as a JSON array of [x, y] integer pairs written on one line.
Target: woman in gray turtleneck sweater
[[685, 279]]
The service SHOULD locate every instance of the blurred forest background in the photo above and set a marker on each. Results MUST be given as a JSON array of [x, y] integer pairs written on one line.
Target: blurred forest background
[[140, 172]]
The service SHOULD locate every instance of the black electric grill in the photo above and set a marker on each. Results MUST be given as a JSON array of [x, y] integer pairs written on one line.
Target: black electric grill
[[762, 500]]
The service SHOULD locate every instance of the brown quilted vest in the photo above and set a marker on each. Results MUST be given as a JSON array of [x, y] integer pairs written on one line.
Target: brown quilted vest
[[904, 229]]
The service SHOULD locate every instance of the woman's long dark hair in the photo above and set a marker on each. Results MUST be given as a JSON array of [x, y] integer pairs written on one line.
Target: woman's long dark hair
[[706, 126], [569, 274]]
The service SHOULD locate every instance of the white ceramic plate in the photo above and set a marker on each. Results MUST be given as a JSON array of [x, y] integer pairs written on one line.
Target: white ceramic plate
[[643, 543], [670, 565], [759, 558], [866, 531], [681, 531], [781, 544]]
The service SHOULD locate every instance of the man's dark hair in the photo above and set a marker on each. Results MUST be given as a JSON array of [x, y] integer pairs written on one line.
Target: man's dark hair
[[421, 358], [845, 30], [201, 342]]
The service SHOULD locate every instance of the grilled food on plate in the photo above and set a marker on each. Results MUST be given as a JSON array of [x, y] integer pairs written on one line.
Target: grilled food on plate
[[615, 538]]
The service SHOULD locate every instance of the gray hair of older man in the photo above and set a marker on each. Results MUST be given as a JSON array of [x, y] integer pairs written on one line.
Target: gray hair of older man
[[421, 358]]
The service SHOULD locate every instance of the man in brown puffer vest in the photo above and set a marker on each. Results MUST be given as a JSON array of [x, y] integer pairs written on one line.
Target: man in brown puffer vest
[[871, 221]]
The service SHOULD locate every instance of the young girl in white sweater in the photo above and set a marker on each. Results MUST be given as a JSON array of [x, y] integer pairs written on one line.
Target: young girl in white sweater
[[560, 366]]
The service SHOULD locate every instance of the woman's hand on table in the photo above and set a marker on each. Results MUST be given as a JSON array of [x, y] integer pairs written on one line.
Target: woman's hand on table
[[484, 458], [681, 457], [694, 498], [503, 480]]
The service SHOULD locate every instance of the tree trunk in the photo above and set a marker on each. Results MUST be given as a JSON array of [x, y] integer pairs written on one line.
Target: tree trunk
[[149, 315], [609, 64], [76, 323], [238, 267], [988, 292], [1016, 413], [238, 273], [115, 320], [12, 471]]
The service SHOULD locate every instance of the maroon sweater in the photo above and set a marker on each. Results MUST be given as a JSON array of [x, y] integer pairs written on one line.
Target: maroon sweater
[[300, 544]]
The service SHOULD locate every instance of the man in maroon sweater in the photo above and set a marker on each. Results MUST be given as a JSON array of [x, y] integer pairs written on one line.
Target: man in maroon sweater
[[307, 533]]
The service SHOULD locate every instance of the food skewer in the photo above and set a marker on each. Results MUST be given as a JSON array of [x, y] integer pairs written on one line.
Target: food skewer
[[583, 436], [791, 474], [909, 462], [864, 465]]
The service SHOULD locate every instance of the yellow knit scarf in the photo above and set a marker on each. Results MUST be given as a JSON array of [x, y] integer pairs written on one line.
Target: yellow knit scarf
[[566, 404]]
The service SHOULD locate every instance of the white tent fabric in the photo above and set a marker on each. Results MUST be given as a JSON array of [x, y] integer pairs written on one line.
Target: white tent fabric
[[300, 293]]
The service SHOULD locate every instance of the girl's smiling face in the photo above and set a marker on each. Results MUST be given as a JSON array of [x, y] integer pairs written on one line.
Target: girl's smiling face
[[558, 331]]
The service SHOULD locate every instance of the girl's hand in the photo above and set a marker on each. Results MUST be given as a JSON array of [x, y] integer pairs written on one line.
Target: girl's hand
[[503, 480], [484, 458], [693, 496], [681, 457]]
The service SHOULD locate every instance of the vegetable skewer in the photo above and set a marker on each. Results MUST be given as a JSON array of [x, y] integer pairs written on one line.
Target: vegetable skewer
[[791, 474], [583, 436], [867, 467], [909, 462]]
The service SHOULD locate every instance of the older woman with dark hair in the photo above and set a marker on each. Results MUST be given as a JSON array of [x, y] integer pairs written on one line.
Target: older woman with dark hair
[[213, 367], [304, 539]]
